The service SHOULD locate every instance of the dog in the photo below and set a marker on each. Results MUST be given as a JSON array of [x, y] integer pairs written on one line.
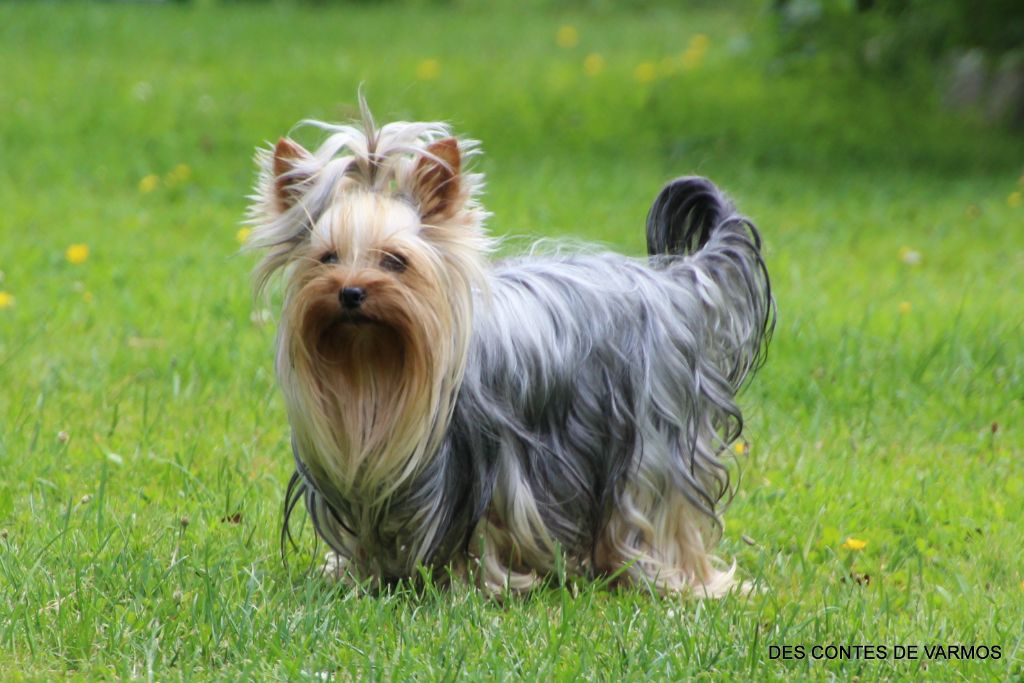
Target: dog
[[502, 421]]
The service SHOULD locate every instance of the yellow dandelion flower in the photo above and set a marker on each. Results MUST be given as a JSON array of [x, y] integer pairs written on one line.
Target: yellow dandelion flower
[[852, 543], [180, 174], [428, 69], [567, 36], [740, 447], [77, 253], [242, 236], [6, 300], [645, 72], [905, 307], [149, 183], [695, 52], [593, 65], [1014, 200]]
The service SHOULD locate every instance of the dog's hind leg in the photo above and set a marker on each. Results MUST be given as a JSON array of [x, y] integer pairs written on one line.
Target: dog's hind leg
[[659, 539]]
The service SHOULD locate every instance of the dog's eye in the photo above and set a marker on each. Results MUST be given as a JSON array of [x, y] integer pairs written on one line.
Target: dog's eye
[[329, 258], [394, 262]]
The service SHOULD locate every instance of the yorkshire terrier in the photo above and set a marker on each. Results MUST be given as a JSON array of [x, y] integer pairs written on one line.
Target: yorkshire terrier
[[505, 420]]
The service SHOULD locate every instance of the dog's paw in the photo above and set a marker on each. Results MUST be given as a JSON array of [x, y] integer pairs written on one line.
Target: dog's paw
[[335, 566]]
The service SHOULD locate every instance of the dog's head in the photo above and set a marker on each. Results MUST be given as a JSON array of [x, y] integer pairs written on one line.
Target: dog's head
[[380, 240]]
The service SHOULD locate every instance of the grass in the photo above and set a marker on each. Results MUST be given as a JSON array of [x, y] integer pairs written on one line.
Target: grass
[[143, 446]]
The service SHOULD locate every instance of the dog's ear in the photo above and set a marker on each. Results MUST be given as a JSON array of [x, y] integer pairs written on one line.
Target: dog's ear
[[437, 180], [288, 179]]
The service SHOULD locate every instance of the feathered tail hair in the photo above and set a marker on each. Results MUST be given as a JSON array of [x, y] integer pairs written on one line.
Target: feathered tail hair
[[692, 218]]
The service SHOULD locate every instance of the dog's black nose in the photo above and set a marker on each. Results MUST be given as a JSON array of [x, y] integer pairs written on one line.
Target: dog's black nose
[[352, 297]]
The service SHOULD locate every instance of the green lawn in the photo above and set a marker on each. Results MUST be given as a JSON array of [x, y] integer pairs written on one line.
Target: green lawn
[[144, 448]]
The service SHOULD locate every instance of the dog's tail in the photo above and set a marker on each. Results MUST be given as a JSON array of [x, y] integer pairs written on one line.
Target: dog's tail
[[694, 230]]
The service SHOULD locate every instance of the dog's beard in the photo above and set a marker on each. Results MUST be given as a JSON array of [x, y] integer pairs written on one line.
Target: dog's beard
[[369, 390]]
